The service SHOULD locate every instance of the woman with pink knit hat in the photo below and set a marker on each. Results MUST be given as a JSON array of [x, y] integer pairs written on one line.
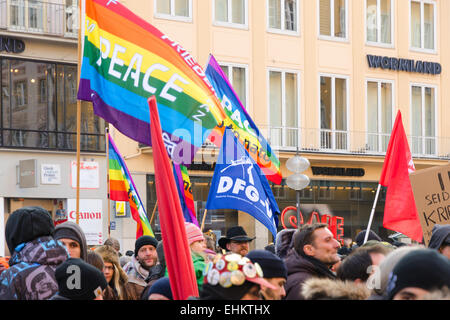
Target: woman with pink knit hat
[[197, 243]]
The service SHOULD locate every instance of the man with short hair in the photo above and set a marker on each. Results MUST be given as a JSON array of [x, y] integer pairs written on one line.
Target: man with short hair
[[314, 253], [274, 271], [236, 241], [144, 260]]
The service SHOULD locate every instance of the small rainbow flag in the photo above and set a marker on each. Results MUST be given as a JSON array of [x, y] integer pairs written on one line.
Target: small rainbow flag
[[125, 61], [185, 191], [122, 188]]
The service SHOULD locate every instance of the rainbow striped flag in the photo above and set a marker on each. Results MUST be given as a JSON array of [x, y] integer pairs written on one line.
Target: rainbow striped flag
[[122, 188], [242, 124], [185, 192], [125, 61]]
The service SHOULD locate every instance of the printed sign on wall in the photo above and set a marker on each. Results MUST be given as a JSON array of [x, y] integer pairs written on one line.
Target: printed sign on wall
[[89, 175]]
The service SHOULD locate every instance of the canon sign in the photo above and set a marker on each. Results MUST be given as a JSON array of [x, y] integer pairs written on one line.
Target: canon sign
[[86, 215]]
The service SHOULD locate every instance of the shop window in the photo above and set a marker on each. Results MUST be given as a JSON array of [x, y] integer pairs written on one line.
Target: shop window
[[423, 25], [284, 109], [41, 113], [333, 112], [333, 19], [379, 21], [283, 15], [230, 12]]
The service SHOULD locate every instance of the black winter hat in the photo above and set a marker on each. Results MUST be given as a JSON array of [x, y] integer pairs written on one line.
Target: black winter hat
[[143, 241], [422, 268], [272, 265], [78, 280], [26, 224], [162, 286], [359, 239], [236, 233]]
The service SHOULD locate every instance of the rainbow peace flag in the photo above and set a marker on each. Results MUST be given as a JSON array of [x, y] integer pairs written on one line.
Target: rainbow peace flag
[[125, 61], [122, 188]]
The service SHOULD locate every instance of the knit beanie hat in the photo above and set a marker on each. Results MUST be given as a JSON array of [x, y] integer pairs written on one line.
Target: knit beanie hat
[[162, 286], [422, 268], [272, 265], [144, 241], [26, 224], [359, 239], [193, 233], [78, 280]]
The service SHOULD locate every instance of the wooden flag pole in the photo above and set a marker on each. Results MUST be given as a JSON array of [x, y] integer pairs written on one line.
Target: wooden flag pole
[[107, 181], [154, 211], [203, 220]]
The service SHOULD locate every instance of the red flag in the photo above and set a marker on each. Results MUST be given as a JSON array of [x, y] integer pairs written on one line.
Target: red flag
[[400, 212], [176, 249]]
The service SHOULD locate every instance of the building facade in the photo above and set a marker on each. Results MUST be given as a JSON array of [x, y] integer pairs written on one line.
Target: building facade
[[324, 77]]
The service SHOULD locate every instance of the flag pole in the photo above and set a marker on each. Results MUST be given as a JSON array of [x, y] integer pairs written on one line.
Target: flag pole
[[107, 180], [80, 28], [154, 211], [366, 236], [203, 220]]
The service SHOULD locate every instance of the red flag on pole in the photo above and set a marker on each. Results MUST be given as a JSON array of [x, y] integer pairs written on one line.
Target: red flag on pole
[[176, 249], [400, 212]]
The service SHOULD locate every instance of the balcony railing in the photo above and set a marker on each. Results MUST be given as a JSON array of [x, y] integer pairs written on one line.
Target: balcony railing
[[40, 17], [350, 142]]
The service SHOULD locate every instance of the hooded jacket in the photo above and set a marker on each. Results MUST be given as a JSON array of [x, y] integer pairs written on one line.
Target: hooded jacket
[[327, 289], [438, 235], [300, 268], [74, 232], [31, 275]]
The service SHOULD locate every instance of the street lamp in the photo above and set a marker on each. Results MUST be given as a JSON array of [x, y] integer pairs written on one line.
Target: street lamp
[[297, 181]]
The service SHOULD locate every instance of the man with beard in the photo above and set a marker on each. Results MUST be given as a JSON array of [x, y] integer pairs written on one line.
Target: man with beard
[[236, 241], [314, 253], [144, 260]]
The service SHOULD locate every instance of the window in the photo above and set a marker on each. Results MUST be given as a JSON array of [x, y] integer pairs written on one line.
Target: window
[[380, 97], [333, 112], [423, 25], [423, 116], [283, 15], [237, 76], [379, 21], [71, 17], [284, 108], [178, 9], [333, 19], [232, 12], [38, 106]]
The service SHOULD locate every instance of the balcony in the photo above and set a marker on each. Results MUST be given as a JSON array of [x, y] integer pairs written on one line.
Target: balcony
[[41, 18], [350, 142]]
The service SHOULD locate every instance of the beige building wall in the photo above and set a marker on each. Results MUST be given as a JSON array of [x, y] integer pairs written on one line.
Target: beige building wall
[[310, 55]]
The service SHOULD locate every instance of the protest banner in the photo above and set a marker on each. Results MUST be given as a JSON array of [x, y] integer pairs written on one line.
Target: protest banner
[[431, 189]]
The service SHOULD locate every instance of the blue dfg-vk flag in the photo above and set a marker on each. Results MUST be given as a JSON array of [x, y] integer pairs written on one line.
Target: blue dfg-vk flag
[[239, 184]]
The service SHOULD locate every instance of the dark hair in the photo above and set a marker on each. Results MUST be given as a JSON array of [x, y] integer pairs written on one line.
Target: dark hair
[[93, 258], [355, 266], [305, 235]]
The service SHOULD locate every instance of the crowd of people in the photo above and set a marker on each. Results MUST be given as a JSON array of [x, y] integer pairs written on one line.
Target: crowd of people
[[55, 263]]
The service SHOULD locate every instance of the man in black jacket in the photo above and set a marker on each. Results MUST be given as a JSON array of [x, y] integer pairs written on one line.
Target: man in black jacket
[[314, 253]]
